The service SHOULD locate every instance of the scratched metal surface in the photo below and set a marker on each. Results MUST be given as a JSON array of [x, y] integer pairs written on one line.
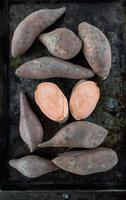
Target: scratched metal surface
[[69, 195], [110, 113]]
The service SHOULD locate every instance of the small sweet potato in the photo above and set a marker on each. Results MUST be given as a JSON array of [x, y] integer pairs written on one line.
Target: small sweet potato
[[61, 43], [33, 166], [49, 67], [30, 128], [52, 101], [27, 31], [87, 161], [96, 49], [82, 134], [84, 98]]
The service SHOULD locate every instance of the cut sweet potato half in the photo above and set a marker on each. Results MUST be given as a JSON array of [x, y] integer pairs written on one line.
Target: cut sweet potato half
[[52, 101], [84, 98]]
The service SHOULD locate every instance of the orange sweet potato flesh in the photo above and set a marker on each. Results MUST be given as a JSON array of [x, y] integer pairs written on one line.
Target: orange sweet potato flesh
[[84, 98], [52, 101]]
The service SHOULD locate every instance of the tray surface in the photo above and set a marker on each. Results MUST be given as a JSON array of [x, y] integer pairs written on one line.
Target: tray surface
[[110, 18]]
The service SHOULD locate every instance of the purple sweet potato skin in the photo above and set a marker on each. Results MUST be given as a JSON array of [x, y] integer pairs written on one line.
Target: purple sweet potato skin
[[61, 43], [33, 166], [87, 161], [81, 134], [30, 128], [96, 49], [50, 67], [27, 31]]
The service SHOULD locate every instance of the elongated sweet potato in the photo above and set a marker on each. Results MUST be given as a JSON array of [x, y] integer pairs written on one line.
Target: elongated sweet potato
[[84, 98], [31, 130], [96, 49], [87, 161], [78, 134], [31, 27], [52, 101], [61, 43], [33, 166], [49, 67]]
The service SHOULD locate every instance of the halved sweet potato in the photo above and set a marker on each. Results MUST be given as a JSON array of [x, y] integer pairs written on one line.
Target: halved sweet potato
[[52, 101], [84, 98]]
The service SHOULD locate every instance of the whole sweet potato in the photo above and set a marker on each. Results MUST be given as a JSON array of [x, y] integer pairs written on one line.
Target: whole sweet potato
[[49, 67], [52, 101], [33, 166], [78, 134], [96, 49], [87, 161], [84, 98], [31, 27], [61, 43], [30, 128]]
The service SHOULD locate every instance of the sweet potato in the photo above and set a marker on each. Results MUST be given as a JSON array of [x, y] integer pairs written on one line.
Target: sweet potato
[[52, 101], [82, 134], [87, 161], [49, 67], [27, 31], [61, 43], [31, 130], [84, 98], [33, 166], [96, 49]]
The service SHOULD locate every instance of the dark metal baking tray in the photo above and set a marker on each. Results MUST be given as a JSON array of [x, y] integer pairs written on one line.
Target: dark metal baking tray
[[110, 17]]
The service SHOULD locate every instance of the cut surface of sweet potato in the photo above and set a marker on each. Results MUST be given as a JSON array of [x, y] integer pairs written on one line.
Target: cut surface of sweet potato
[[52, 101], [84, 98]]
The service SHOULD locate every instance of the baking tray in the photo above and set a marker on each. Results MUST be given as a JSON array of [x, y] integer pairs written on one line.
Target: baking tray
[[110, 17]]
